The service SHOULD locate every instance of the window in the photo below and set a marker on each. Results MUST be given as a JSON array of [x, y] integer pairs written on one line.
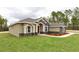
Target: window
[[28, 28], [46, 29]]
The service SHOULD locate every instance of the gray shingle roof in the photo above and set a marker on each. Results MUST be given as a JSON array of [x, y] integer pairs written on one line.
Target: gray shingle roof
[[56, 25], [28, 20]]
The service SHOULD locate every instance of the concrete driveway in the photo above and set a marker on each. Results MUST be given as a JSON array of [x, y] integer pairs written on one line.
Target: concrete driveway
[[4, 32], [73, 31]]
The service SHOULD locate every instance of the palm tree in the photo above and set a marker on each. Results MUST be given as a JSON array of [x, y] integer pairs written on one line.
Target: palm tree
[[74, 21], [68, 15], [60, 17], [75, 18], [54, 16], [76, 12], [5, 27], [66, 20], [2, 23]]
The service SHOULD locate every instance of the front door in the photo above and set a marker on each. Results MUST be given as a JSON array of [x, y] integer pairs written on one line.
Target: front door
[[40, 28]]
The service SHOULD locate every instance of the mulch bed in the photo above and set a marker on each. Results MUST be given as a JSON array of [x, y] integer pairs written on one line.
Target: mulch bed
[[57, 34]]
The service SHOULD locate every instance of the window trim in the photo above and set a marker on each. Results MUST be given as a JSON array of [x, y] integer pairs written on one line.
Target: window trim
[[46, 28], [29, 29]]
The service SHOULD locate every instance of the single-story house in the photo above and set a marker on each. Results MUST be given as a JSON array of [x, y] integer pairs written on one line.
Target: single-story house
[[35, 26]]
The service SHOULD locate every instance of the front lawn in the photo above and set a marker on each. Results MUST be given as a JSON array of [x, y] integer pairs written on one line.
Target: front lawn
[[38, 43]]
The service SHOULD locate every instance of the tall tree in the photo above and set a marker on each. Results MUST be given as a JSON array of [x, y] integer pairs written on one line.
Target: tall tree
[[66, 20], [75, 18], [5, 27], [76, 12], [75, 22], [68, 12], [60, 17], [2, 23], [54, 17], [68, 15]]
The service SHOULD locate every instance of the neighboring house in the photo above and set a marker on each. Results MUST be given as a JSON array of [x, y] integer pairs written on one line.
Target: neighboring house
[[35, 26]]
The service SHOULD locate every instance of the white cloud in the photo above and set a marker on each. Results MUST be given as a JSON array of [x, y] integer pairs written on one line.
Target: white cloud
[[39, 3], [14, 10], [14, 14]]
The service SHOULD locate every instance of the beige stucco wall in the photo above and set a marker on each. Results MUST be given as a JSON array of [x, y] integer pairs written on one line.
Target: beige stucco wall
[[16, 29], [23, 28]]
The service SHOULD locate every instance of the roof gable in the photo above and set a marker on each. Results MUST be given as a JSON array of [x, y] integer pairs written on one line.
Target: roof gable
[[44, 20], [30, 20]]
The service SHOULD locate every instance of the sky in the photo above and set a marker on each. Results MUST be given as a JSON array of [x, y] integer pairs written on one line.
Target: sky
[[15, 10]]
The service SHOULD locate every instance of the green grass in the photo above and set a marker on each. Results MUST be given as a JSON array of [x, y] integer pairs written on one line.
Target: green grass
[[38, 43]]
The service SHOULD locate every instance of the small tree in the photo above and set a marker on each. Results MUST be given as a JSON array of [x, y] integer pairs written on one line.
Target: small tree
[[75, 18], [53, 17], [75, 22], [66, 20], [60, 17], [3, 23]]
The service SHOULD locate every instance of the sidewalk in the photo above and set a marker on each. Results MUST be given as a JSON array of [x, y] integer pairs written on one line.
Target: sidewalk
[[73, 31]]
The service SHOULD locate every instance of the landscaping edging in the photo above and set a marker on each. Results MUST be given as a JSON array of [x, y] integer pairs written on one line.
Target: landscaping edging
[[57, 36]]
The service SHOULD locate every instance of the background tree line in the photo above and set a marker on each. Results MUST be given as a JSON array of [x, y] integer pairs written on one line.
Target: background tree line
[[3, 24], [69, 17]]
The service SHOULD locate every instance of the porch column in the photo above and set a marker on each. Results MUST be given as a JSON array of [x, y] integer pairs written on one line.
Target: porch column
[[36, 28], [25, 26], [33, 28], [43, 28]]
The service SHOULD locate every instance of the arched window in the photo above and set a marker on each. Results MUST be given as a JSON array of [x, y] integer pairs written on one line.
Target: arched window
[[29, 29]]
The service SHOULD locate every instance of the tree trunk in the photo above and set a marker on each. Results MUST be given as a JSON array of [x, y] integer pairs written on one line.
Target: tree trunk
[[73, 26]]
